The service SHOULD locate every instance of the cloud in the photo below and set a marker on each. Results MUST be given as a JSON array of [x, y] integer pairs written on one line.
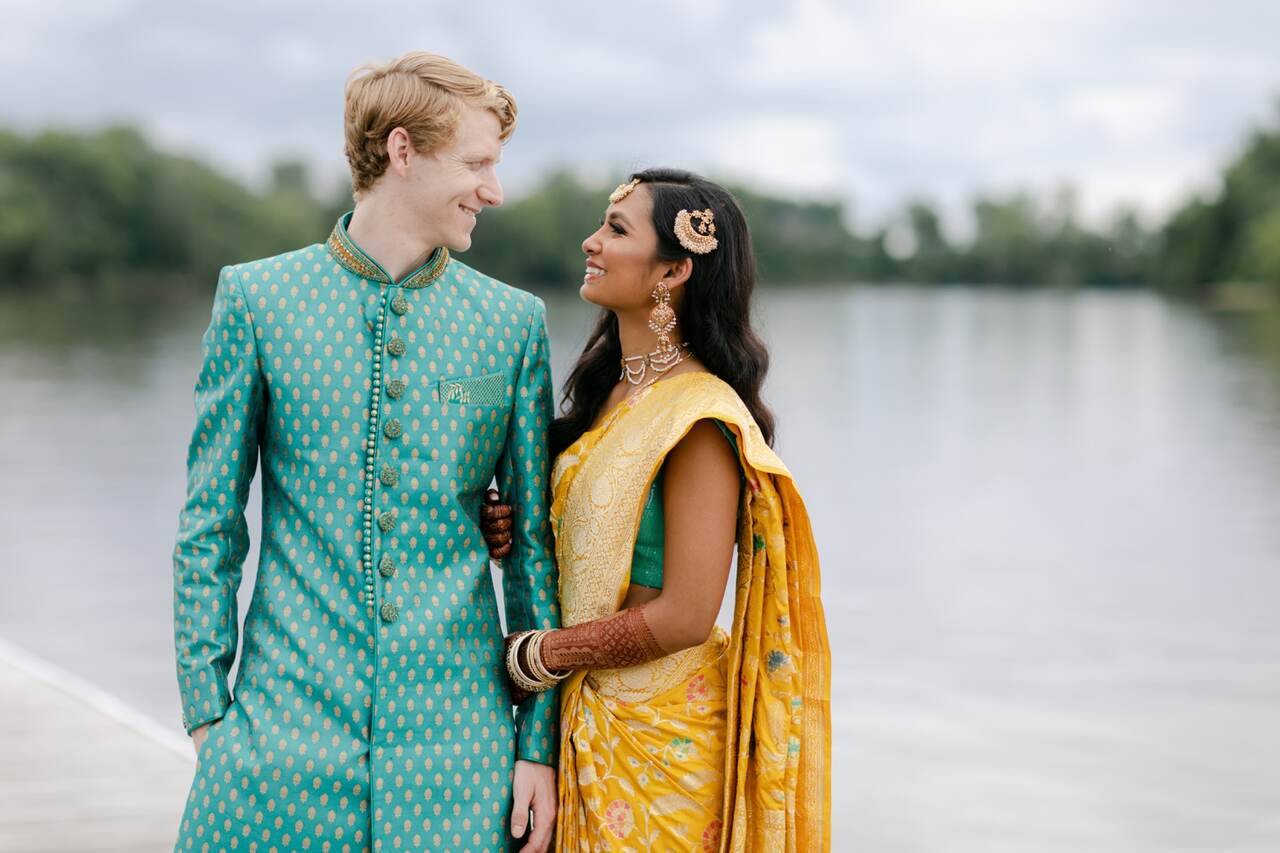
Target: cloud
[[868, 102]]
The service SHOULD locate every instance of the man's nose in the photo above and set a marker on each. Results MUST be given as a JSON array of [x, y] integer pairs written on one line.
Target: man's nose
[[491, 191]]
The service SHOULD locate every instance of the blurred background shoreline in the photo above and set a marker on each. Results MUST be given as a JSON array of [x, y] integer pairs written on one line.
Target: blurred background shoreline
[[107, 212], [1020, 270]]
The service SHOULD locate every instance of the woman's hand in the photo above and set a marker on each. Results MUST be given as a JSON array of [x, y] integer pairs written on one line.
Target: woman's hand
[[495, 524]]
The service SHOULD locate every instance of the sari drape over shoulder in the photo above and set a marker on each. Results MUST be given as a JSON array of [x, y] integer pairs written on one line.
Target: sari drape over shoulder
[[724, 746]]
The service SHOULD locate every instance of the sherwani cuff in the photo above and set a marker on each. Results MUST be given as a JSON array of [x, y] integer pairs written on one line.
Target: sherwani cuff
[[536, 740], [205, 698]]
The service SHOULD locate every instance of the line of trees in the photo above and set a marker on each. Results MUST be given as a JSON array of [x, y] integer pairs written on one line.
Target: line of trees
[[107, 206]]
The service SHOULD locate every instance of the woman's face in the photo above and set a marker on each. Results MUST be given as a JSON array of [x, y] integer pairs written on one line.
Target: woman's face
[[622, 263]]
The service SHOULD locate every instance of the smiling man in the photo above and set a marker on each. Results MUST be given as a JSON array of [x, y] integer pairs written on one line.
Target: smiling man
[[384, 385]]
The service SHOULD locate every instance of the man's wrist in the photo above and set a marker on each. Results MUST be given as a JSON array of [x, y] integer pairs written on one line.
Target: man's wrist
[[547, 762], [191, 727]]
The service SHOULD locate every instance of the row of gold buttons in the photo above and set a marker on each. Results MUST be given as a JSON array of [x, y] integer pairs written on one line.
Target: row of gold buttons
[[371, 452], [388, 476]]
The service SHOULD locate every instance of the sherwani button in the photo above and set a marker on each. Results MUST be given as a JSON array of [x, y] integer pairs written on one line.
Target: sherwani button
[[395, 388], [396, 346], [392, 428], [387, 566], [387, 520], [389, 612], [400, 305], [390, 476]]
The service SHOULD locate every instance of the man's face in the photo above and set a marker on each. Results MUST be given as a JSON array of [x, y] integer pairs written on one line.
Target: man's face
[[450, 186]]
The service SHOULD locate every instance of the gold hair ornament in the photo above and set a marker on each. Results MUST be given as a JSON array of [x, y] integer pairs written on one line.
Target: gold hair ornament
[[623, 191], [700, 238]]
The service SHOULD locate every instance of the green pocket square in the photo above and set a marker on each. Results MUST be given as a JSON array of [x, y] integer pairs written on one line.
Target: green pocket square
[[487, 389]]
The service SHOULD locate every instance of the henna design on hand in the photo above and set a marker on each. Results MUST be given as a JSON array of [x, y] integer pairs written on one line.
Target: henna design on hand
[[496, 525]]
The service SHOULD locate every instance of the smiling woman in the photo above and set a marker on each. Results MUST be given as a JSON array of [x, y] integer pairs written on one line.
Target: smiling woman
[[674, 735]]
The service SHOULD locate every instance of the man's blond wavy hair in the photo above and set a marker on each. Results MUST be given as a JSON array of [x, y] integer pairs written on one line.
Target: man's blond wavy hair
[[421, 92]]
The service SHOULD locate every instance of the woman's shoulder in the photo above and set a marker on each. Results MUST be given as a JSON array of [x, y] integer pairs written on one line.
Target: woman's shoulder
[[700, 395], [698, 384]]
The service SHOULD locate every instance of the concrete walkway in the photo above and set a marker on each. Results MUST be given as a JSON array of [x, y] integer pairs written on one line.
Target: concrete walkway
[[79, 772]]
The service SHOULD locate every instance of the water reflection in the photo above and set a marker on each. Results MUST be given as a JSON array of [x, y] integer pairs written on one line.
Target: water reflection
[[1049, 521]]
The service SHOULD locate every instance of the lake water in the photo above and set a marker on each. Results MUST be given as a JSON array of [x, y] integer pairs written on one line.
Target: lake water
[[1049, 525]]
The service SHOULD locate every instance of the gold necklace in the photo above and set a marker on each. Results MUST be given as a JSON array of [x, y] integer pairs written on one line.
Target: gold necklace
[[636, 367]]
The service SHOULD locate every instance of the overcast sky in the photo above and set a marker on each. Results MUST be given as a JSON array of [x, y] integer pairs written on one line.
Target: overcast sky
[[867, 103]]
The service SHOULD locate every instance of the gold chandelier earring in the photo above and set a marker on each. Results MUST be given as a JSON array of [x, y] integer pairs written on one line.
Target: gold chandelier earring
[[662, 321]]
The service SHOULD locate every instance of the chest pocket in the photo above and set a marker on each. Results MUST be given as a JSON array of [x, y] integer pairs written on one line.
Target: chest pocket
[[487, 389], [476, 411]]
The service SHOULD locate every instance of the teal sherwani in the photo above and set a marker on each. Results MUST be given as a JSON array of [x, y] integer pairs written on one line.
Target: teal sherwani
[[371, 710]]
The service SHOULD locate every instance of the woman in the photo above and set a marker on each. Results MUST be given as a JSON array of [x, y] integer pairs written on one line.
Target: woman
[[674, 736]]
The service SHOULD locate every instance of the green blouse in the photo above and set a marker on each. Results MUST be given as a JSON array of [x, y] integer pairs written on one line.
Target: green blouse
[[646, 561]]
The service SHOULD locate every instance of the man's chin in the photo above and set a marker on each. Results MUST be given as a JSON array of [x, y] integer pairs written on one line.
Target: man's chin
[[459, 242]]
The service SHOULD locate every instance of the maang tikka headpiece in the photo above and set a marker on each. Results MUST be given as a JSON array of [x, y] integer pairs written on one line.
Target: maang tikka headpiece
[[700, 238], [623, 191]]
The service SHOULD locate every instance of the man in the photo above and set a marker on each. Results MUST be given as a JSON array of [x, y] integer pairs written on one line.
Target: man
[[384, 385]]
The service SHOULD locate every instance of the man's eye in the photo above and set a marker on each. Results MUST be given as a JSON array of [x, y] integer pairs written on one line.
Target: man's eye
[[616, 228]]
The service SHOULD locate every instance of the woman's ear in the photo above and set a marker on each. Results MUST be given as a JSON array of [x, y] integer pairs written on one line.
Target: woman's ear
[[678, 273]]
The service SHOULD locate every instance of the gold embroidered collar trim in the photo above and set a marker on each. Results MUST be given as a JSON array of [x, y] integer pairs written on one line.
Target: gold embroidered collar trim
[[352, 257]]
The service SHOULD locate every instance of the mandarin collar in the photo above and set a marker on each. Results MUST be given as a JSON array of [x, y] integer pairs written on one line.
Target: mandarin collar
[[350, 256]]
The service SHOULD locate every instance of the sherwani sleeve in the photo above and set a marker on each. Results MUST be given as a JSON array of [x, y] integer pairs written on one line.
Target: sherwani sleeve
[[213, 537], [529, 579]]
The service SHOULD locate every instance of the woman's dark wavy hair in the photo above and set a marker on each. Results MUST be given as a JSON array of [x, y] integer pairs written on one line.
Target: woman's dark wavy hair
[[714, 316]]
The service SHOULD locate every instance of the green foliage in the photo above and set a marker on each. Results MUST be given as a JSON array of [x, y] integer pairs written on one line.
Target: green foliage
[[801, 241], [538, 239], [1022, 241], [1262, 247], [107, 206], [1232, 237]]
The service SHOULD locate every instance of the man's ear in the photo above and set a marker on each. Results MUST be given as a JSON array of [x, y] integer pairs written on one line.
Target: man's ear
[[399, 150]]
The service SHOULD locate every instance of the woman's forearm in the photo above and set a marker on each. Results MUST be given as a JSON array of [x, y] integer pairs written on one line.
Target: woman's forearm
[[623, 639]]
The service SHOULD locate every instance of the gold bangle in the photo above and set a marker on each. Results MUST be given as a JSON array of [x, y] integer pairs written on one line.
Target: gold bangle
[[518, 677]]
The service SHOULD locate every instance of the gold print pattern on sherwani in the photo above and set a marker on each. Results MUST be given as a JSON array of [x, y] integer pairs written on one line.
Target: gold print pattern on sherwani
[[369, 713]]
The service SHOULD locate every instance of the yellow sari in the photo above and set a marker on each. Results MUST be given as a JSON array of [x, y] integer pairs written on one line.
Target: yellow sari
[[722, 747]]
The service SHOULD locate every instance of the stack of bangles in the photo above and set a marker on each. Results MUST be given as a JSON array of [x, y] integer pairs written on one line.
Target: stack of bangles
[[530, 674]]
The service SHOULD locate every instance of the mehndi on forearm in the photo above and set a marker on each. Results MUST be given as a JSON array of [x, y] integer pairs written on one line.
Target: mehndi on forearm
[[621, 640]]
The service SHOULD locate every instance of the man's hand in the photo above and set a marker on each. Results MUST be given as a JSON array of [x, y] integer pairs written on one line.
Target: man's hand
[[198, 736], [534, 789]]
